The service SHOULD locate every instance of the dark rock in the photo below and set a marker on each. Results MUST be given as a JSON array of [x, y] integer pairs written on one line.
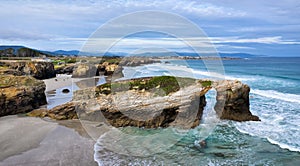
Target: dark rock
[[65, 91], [65, 70], [219, 154], [61, 112]]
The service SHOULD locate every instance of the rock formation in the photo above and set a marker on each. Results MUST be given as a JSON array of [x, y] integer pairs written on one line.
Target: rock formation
[[20, 94], [84, 70], [38, 70], [148, 102], [61, 112], [233, 101], [65, 69], [155, 102]]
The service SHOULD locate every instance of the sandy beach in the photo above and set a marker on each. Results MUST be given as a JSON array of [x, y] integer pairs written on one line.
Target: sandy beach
[[35, 141]]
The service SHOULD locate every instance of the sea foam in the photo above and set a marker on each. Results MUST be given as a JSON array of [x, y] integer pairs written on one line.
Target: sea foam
[[277, 95]]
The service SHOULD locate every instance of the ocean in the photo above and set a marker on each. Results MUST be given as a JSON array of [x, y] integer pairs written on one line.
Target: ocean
[[275, 140]]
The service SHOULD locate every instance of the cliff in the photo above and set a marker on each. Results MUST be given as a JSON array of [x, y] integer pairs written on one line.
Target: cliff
[[20, 94]]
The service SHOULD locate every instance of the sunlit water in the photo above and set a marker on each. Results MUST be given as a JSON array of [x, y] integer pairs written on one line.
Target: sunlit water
[[274, 97]]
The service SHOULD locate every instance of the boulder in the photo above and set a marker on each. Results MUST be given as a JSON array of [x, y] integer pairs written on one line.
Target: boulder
[[65, 69], [20, 94], [84, 70]]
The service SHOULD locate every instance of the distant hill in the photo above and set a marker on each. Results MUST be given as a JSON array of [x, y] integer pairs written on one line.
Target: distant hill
[[25, 51], [63, 52], [20, 51]]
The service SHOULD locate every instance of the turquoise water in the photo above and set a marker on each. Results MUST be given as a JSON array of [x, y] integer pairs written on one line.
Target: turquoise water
[[274, 97]]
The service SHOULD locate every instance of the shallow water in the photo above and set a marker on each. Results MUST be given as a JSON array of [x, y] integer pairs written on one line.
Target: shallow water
[[57, 97], [275, 98]]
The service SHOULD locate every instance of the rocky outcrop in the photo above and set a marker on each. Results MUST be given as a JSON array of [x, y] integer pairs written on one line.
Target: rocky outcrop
[[113, 67], [84, 70], [154, 102], [65, 69], [20, 94], [38, 70], [146, 102], [233, 101], [137, 61], [61, 112], [147, 109]]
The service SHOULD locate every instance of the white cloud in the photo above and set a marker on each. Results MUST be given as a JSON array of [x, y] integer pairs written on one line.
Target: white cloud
[[95, 44], [66, 24], [261, 40]]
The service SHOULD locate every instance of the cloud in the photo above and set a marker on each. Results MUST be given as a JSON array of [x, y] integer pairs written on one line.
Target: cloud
[[221, 43], [261, 40], [15, 34], [66, 24]]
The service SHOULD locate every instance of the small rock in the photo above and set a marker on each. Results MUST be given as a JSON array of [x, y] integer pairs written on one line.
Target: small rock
[[65, 91]]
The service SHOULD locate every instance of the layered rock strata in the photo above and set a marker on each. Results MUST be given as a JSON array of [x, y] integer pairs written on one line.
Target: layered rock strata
[[20, 94], [154, 102]]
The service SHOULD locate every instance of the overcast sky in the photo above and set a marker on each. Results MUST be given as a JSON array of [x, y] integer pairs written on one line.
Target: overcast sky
[[269, 27]]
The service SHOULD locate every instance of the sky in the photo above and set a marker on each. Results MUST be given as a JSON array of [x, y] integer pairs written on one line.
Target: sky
[[268, 27]]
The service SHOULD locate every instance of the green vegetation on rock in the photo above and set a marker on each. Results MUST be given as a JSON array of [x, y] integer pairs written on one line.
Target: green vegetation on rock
[[161, 85], [205, 83], [9, 81]]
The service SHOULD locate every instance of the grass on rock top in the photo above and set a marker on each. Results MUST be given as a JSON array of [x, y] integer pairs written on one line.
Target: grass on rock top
[[205, 83], [160, 85], [10, 80]]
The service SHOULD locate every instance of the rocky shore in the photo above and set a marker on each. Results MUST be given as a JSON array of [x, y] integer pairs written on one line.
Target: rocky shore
[[20, 94], [38, 70], [144, 102], [154, 102]]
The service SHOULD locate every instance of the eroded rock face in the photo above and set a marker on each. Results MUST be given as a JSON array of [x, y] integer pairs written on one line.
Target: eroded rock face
[[155, 102], [140, 108], [84, 70], [20, 94], [233, 101], [148, 103], [38, 70]]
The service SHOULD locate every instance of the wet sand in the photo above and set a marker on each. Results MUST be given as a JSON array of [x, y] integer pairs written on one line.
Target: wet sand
[[58, 82], [64, 81], [35, 141]]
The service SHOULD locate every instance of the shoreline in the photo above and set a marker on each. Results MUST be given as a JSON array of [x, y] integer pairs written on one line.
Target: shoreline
[[63, 81], [36, 141]]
